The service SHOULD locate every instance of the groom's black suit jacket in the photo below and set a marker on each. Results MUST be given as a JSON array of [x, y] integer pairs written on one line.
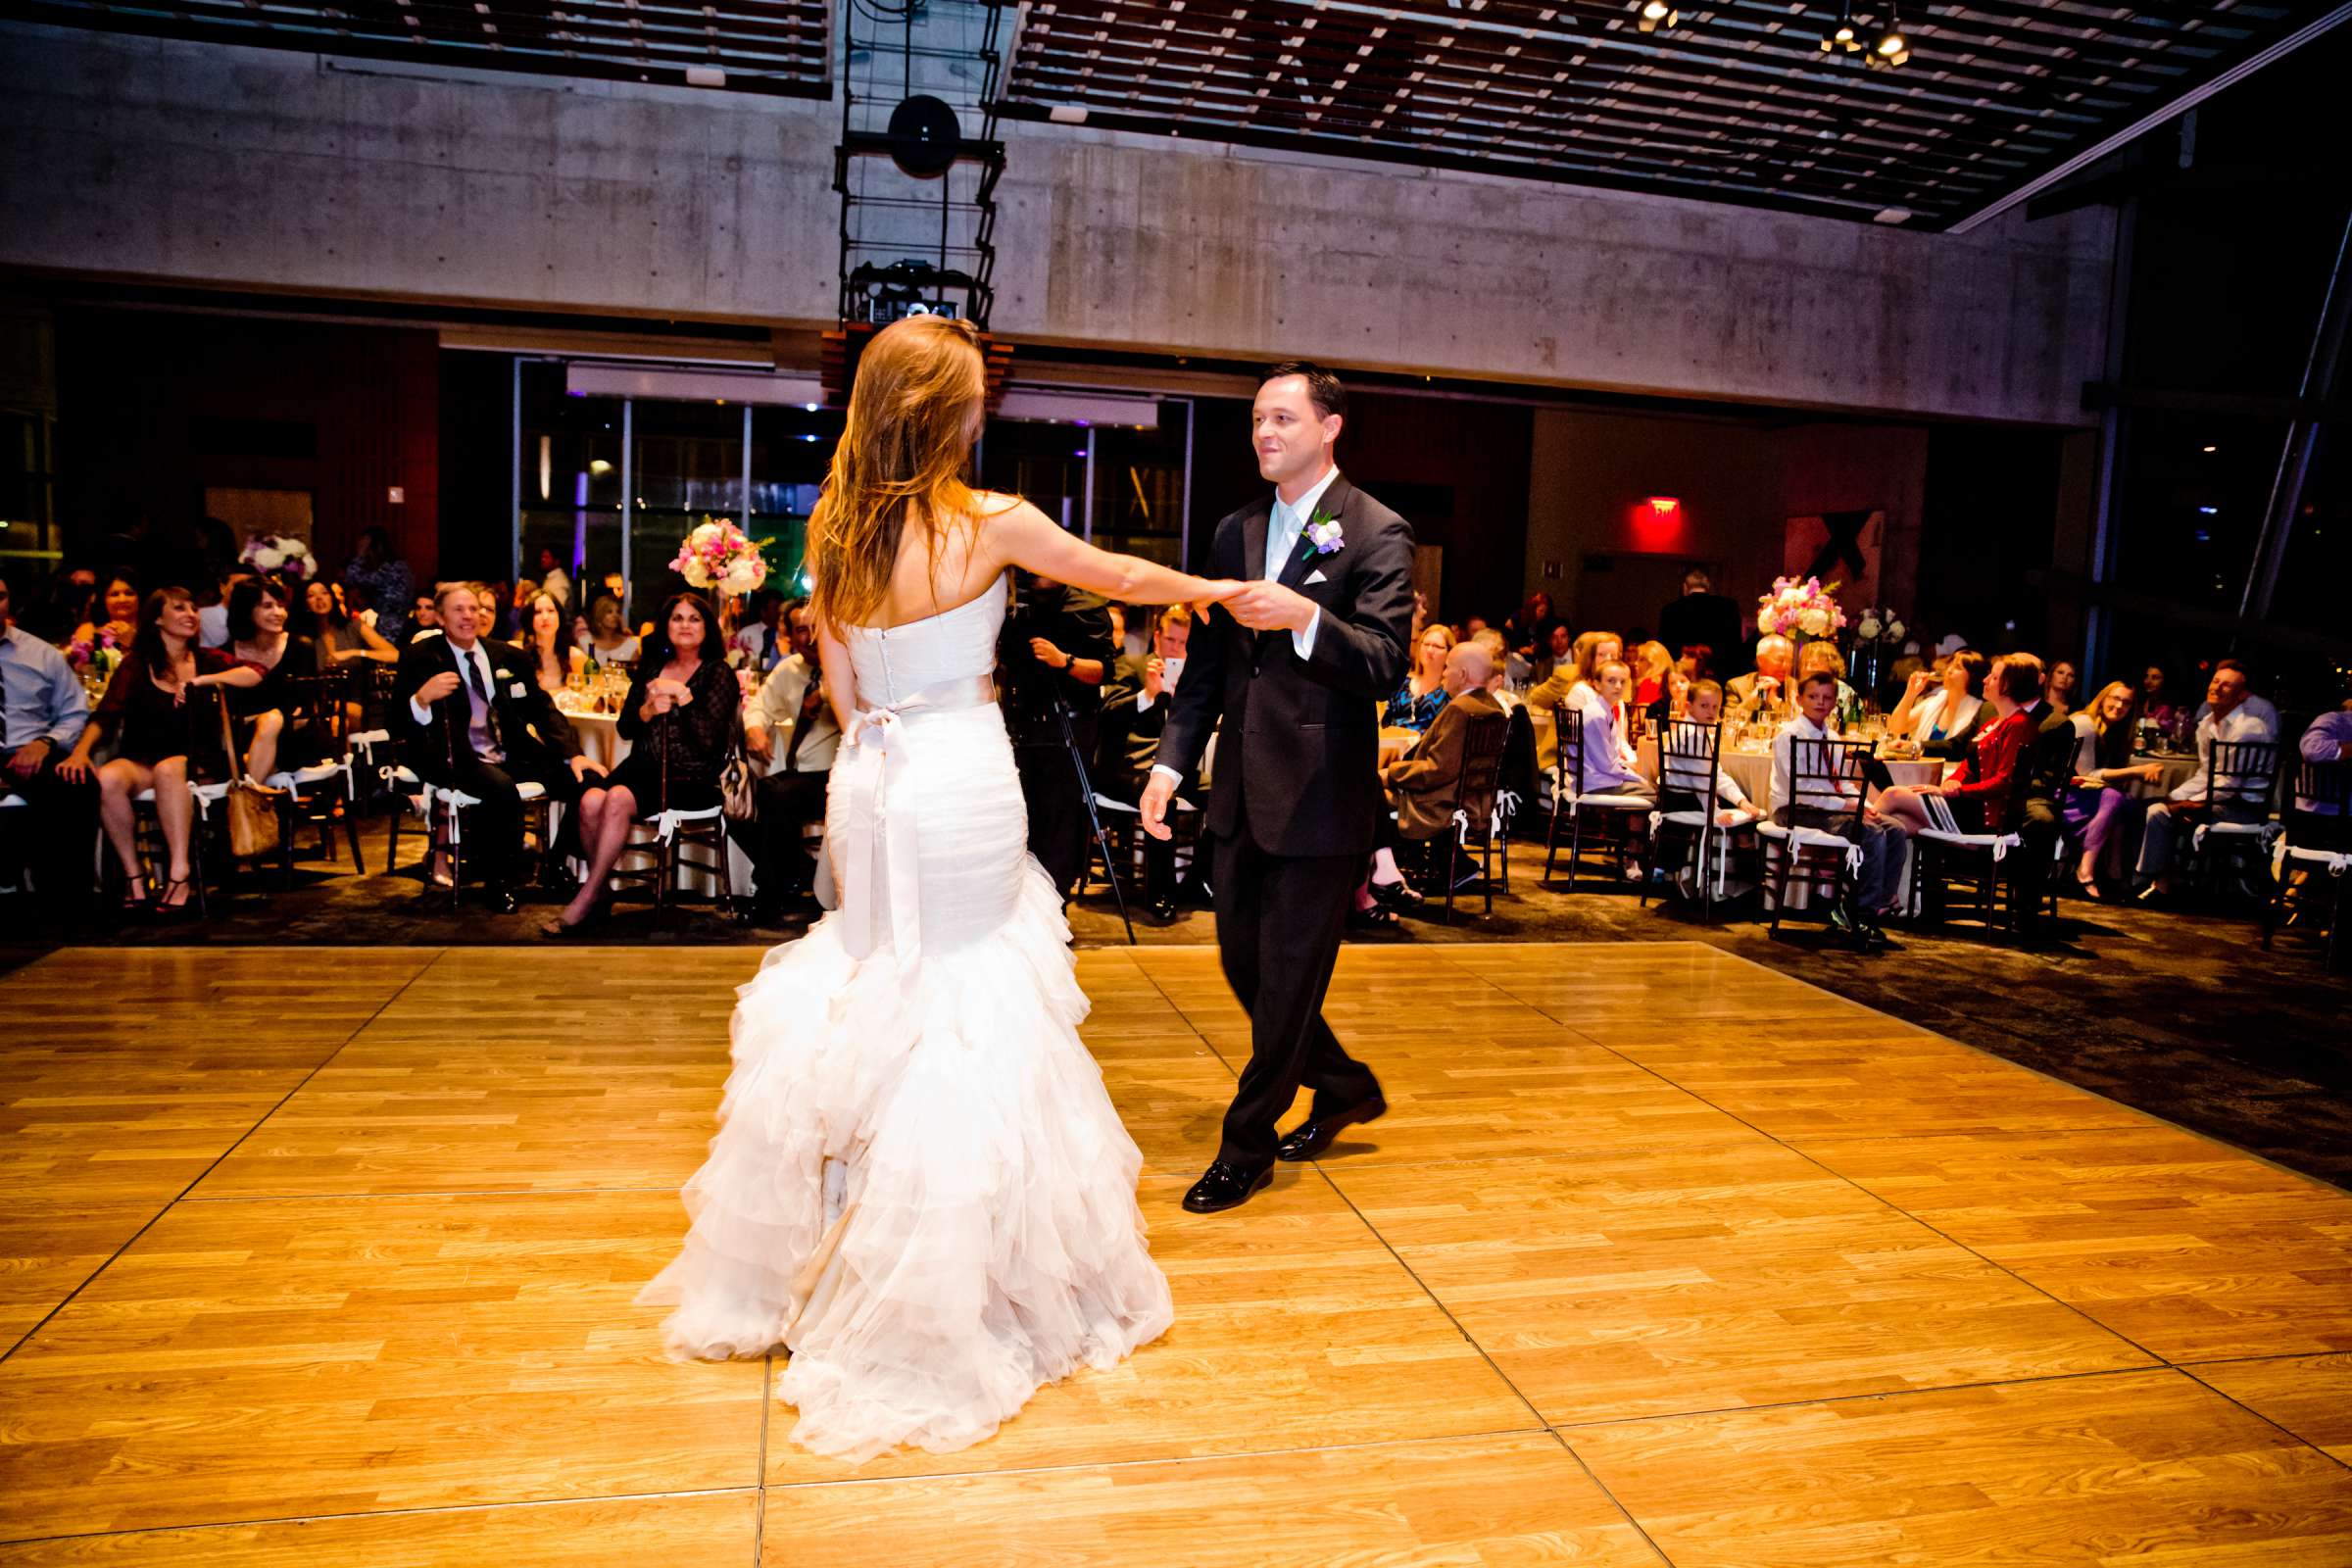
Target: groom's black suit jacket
[[1299, 764]]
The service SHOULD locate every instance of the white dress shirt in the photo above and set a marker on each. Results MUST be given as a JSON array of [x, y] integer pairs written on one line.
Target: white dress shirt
[[1284, 525], [1783, 770], [1610, 766], [480, 661], [2242, 724], [777, 708]]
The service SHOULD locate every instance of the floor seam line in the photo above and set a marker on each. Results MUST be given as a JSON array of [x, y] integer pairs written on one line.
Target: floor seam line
[[170, 1204], [2273, 1423], [1616, 1503], [384, 1513]]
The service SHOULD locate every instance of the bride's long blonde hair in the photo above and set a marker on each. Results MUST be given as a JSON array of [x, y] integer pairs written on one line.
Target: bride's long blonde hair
[[919, 389]]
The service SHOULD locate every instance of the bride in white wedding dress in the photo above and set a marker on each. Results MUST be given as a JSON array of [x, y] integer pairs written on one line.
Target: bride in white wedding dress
[[920, 1186]]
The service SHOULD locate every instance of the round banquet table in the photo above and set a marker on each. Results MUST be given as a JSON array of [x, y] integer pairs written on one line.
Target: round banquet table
[[2177, 769], [1395, 742], [599, 733]]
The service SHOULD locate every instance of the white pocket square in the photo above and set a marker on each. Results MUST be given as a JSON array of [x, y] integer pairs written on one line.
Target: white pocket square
[[1314, 577]]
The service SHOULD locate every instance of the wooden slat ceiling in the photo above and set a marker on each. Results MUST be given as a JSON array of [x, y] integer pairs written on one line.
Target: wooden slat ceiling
[[1737, 103], [766, 46]]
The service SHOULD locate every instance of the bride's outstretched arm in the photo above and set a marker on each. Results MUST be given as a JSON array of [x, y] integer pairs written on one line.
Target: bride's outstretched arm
[[841, 679], [1022, 536]]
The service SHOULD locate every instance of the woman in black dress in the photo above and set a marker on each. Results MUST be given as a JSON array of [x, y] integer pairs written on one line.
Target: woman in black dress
[[680, 719], [156, 730], [272, 723]]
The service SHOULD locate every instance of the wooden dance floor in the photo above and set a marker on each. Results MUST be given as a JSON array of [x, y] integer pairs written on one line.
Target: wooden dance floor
[[326, 1256]]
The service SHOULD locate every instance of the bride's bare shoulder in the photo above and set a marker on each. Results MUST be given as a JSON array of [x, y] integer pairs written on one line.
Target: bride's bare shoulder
[[988, 506]]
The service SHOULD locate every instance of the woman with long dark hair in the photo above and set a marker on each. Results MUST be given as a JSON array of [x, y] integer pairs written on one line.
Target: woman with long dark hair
[[679, 720], [267, 712], [553, 661], [921, 1186], [158, 728]]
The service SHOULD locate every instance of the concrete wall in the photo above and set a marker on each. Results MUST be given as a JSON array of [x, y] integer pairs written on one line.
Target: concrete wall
[[155, 160]]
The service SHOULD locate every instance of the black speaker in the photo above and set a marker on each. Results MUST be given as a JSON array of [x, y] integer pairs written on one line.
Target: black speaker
[[924, 136]]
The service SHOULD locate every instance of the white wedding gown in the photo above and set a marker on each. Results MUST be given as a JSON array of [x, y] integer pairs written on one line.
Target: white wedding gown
[[918, 1185]]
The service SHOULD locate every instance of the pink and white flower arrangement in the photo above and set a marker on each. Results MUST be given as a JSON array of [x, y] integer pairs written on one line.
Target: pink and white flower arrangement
[[718, 555], [1800, 609], [282, 553]]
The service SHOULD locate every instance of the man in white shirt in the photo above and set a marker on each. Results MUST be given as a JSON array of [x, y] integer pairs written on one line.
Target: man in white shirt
[[764, 643], [2204, 796], [2259, 705], [1829, 808], [42, 715], [790, 727], [554, 581]]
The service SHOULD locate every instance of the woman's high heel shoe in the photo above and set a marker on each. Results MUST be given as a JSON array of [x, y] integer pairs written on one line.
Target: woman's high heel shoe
[[185, 907], [557, 930]]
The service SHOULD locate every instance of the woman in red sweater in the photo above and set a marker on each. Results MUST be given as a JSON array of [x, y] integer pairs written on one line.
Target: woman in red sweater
[[1984, 791]]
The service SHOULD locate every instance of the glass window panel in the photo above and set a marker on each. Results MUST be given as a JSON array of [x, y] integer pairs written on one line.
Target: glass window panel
[[570, 479]]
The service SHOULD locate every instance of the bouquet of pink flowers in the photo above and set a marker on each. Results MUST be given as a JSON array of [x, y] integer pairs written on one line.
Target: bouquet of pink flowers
[[718, 555], [1795, 608], [280, 553]]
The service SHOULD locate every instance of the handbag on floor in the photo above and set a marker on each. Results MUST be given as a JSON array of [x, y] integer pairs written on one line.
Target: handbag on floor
[[251, 811]]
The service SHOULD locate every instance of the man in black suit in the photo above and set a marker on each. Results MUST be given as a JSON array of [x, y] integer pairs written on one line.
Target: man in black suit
[[1705, 621], [477, 721], [1294, 667], [1135, 715]]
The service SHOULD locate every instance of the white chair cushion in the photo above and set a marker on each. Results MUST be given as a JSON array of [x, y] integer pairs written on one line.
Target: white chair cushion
[[2000, 844], [296, 778], [1617, 802], [1805, 837], [1683, 818], [7, 801]]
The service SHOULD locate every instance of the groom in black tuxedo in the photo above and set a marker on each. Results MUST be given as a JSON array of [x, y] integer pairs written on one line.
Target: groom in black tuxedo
[[1294, 666]]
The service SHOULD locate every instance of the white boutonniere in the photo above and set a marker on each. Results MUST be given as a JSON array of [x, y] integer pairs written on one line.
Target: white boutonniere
[[1323, 531]]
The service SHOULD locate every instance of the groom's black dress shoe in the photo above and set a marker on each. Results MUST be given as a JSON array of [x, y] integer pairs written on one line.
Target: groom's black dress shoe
[[1314, 1135], [1222, 1187]]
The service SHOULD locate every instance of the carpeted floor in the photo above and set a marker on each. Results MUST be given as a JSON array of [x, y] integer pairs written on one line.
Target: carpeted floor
[[2180, 1014]]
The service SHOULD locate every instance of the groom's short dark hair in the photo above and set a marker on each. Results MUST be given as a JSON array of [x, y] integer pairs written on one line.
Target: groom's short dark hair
[[1323, 388]]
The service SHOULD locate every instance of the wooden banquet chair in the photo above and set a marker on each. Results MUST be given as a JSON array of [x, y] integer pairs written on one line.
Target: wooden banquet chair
[[1614, 816], [1823, 860], [2299, 871]]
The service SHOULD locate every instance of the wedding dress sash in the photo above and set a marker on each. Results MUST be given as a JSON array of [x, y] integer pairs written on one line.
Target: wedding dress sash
[[881, 848]]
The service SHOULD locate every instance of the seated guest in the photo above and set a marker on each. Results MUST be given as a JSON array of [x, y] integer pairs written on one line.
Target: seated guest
[[1821, 654], [1609, 763], [2201, 797], [338, 637], [1424, 785], [1673, 701], [1829, 808], [1653, 664], [43, 712], [425, 616], [2317, 824], [2059, 692], [1766, 689], [1519, 760], [1556, 650], [156, 730], [609, 641], [2263, 710], [680, 720], [212, 615], [1422, 693], [2155, 702], [271, 725], [121, 605], [1585, 656], [1942, 721], [762, 641], [2101, 800], [789, 730], [554, 662], [1988, 789], [1682, 788], [472, 718], [1133, 717]]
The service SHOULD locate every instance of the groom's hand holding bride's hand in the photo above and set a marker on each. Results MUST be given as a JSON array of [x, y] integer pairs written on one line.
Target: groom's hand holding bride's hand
[[1267, 606]]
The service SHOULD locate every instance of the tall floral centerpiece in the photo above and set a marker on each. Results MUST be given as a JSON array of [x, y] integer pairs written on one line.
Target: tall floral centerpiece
[[1799, 610], [1878, 633], [719, 555], [279, 555]]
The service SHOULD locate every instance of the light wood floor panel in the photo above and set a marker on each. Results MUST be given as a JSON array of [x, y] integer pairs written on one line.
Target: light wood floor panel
[[1635, 1284], [2181, 1245], [2311, 1396], [695, 1531], [483, 1115], [261, 1360], [1484, 1501], [2145, 1468], [1889, 1082], [45, 1251], [1295, 1328]]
